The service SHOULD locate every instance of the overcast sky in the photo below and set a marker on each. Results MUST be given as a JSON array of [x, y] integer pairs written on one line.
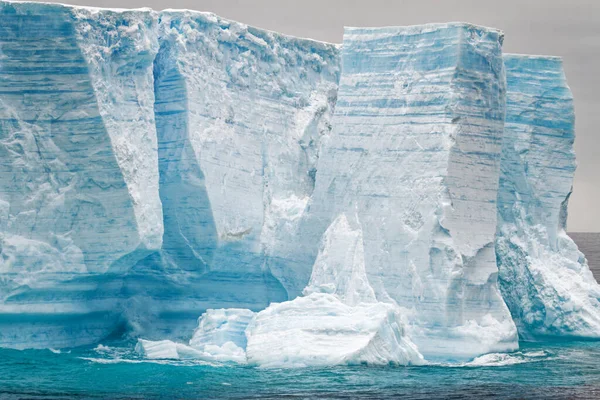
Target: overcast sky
[[567, 28]]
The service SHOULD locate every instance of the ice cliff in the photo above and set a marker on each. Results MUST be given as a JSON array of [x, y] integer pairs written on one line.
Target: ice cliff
[[544, 278], [161, 166], [156, 165], [415, 152], [239, 116], [79, 185]]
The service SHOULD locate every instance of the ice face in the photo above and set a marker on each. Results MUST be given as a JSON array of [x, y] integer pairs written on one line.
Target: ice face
[[119, 49], [226, 118], [79, 188], [340, 265], [415, 153], [544, 279], [240, 113]]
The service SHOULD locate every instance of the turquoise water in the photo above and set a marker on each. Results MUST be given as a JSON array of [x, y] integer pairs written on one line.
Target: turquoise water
[[541, 371]]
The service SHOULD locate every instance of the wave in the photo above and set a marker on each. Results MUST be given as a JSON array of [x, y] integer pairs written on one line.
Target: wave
[[505, 359], [127, 355], [178, 363]]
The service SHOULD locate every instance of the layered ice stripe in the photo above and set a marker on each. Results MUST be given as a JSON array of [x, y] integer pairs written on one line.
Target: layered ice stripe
[[544, 279], [415, 153], [68, 213]]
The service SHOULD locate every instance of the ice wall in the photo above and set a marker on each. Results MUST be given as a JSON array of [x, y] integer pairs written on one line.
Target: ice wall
[[415, 153], [544, 279], [100, 107], [239, 112], [72, 178]]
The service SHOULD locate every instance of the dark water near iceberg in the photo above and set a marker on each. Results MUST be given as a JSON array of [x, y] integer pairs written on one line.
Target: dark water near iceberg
[[589, 244], [541, 371]]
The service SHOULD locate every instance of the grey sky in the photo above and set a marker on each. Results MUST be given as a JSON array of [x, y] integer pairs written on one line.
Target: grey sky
[[567, 28]]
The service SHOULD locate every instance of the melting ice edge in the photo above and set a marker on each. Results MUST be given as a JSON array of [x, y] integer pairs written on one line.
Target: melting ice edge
[[401, 198]]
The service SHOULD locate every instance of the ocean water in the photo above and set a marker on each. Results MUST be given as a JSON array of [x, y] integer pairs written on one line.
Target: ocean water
[[565, 370], [589, 244]]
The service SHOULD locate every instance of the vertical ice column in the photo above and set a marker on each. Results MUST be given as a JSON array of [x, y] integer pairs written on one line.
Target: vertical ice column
[[119, 48], [544, 279], [415, 152], [69, 208], [238, 145]]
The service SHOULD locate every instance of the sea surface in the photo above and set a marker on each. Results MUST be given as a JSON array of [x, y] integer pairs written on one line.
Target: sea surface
[[589, 244], [566, 370]]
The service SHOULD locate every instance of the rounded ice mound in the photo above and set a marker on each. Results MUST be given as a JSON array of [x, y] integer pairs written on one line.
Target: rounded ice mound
[[218, 327], [339, 321], [320, 330]]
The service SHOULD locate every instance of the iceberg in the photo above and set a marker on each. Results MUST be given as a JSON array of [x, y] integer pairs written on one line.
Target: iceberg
[[398, 198], [544, 279]]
